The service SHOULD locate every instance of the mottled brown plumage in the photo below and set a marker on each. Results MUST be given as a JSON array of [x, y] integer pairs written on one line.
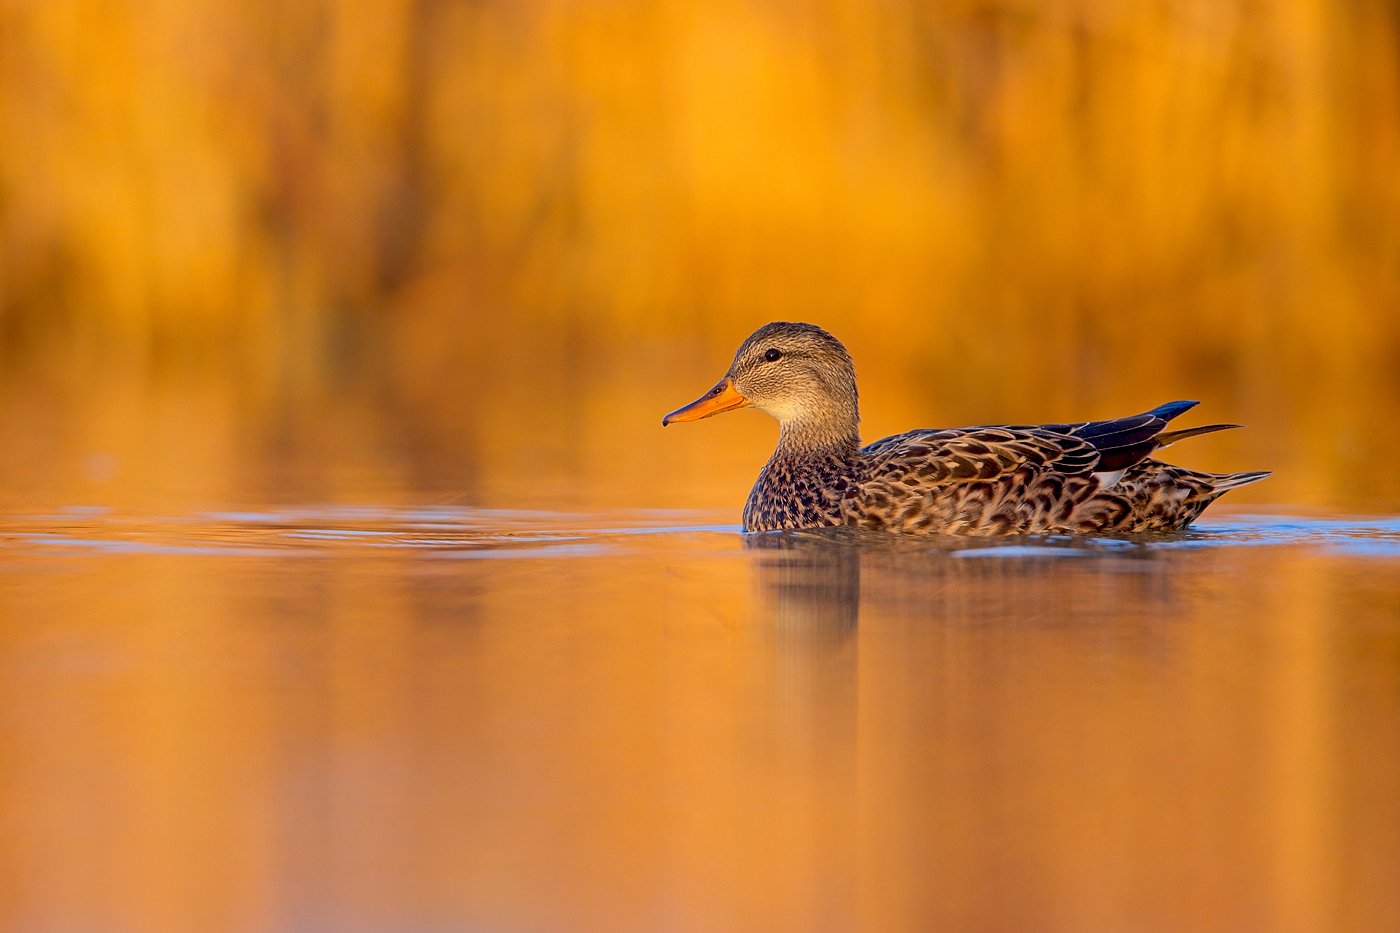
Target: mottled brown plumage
[[1090, 477]]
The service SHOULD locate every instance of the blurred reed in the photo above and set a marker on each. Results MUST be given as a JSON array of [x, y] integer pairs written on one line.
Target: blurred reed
[[504, 236]]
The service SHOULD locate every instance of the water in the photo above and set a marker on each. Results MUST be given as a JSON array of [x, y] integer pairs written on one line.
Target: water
[[445, 719]]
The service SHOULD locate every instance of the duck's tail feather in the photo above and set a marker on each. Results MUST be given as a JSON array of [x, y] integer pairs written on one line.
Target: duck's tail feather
[[1167, 438], [1226, 481]]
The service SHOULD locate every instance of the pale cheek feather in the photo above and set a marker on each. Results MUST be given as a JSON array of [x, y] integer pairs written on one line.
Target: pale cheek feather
[[782, 410]]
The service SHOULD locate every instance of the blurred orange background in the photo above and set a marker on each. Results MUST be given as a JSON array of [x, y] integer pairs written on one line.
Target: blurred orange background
[[471, 252]]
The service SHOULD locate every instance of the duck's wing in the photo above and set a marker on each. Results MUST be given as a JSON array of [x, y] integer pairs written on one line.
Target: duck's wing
[[987, 452], [932, 458]]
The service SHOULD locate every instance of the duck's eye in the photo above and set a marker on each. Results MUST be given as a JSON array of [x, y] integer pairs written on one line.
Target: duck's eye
[[773, 355]]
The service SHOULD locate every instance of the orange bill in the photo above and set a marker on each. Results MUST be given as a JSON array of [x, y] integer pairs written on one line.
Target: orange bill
[[723, 397]]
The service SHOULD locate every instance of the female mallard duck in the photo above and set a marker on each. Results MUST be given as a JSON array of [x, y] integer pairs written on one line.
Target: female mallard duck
[[1001, 479]]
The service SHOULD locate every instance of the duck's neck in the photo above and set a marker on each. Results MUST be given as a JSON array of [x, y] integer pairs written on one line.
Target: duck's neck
[[833, 435]]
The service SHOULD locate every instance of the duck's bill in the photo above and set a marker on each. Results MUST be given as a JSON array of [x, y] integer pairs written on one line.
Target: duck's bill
[[723, 397]]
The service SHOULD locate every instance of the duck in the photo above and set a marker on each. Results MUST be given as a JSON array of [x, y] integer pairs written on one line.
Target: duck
[[1091, 477]]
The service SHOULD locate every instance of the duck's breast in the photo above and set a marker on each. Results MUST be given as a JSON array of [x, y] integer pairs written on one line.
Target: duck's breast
[[799, 492]]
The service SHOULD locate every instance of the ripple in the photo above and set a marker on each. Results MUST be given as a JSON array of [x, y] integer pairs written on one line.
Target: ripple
[[460, 532]]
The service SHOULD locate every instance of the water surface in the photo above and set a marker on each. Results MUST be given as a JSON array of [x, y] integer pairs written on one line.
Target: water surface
[[451, 719]]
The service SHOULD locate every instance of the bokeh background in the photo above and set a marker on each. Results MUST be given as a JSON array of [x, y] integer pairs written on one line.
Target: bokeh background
[[295, 255], [449, 251]]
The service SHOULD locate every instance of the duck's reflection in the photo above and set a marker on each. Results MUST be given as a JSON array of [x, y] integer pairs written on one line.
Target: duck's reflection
[[809, 584], [807, 592]]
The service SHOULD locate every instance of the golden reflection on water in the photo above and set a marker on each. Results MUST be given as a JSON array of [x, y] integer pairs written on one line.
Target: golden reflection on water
[[453, 720]]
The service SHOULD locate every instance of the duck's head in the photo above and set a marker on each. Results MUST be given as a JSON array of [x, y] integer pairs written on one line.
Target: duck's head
[[798, 373]]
